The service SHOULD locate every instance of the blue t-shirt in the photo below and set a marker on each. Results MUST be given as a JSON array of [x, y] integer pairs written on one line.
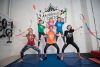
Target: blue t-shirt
[[59, 26]]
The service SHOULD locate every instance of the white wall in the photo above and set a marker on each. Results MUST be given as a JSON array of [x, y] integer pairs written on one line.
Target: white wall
[[93, 14], [21, 12], [5, 49], [96, 9], [4, 6]]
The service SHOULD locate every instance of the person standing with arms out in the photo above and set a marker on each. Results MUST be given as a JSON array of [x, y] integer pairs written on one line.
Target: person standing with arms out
[[51, 42], [41, 28], [59, 31], [70, 40], [30, 44]]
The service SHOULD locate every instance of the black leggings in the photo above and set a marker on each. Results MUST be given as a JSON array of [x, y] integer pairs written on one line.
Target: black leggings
[[73, 44], [55, 45], [26, 47], [58, 36], [62, 38], [40, 34]]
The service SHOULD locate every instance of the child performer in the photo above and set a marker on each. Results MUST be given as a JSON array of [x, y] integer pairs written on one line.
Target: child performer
[[51, 22], [70, 40], [30, 44], [51, 41], [59, 24], [41, 28]]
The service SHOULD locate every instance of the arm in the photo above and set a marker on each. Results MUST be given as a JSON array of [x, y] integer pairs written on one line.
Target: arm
[[21, 34], [43, 25], [36, 39], [63, 22], [78, 28], [55, 24], [45, 35], [57, 34], [24, 36], [34, 36]]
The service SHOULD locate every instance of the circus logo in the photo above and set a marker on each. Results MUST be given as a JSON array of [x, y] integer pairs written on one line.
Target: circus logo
[[52, 12]]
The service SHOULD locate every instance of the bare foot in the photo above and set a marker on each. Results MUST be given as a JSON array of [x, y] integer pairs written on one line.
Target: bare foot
[[41, 59], [80, 56], [62, 57], [20, 60]]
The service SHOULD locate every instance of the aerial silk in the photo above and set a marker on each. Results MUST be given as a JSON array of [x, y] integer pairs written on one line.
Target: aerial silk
[[89, 29]]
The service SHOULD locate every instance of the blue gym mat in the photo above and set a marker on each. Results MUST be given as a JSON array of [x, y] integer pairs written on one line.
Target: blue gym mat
[[70, 60]]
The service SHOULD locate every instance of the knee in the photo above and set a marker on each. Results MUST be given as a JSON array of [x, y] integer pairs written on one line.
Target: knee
[[39, 50]]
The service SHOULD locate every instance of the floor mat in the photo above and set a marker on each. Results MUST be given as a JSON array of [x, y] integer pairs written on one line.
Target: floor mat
[[70, 60]]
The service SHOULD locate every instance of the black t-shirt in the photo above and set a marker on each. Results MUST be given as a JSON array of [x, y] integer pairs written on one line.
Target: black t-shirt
[[69, 35]]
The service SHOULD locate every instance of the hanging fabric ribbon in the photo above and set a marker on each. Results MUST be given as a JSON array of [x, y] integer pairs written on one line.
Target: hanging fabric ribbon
[[89, 28]]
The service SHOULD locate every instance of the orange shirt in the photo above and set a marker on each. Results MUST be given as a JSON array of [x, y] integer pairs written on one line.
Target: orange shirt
[[51, 37]]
